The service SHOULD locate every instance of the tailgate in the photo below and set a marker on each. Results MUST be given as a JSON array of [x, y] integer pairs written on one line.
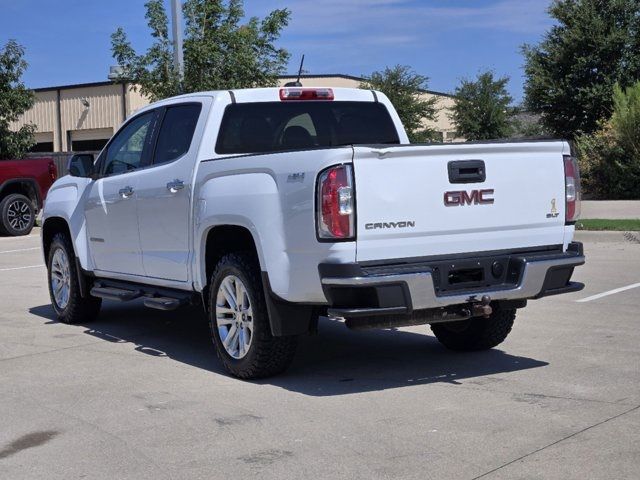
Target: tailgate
[[417, 201]]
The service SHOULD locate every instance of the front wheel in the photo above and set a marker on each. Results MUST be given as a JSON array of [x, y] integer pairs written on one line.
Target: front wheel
[[64, 289], [240, 323], [477, 333]]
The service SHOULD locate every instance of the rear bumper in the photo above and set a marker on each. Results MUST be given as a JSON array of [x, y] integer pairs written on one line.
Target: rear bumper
[[356, 290]]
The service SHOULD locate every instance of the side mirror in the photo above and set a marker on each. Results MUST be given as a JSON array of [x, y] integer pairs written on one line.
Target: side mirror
[[81, 165]]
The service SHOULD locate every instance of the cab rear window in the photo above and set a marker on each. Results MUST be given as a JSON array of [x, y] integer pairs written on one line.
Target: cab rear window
[[279, 126]]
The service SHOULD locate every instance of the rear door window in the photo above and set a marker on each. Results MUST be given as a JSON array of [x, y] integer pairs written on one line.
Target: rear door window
[[277, 126], [175, 136]]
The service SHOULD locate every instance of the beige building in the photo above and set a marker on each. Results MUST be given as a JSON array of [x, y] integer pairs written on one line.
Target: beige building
[[80, 117], [83, 117]]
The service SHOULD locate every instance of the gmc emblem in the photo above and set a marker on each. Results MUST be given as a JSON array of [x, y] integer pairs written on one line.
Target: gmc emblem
[[462, 197]]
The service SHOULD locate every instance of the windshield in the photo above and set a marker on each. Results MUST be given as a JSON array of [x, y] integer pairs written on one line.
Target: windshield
[[278, 126]]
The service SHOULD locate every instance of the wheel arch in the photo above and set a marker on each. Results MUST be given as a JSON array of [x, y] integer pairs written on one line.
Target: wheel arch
[[51, 227], [285, 318], [223, 239], [23, 186]]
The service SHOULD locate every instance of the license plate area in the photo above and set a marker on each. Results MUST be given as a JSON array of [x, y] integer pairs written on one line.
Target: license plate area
[[465, 275], [473, 274]]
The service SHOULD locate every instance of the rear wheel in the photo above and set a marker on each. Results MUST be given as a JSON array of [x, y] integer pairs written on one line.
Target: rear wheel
[[17, 215], [476, 333], [64, 288], [240, 323]]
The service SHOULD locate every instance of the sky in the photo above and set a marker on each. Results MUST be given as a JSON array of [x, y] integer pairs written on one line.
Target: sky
[[68, 41]]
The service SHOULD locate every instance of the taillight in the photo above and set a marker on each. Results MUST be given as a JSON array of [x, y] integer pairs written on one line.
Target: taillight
[[53, 171], [335, 204], [306, 94], [572, 189]]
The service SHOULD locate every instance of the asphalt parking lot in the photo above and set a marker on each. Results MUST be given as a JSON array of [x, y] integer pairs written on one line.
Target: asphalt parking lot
[[140, 394]]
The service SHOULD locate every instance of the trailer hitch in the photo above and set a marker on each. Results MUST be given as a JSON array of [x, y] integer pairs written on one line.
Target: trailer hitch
[[482, 308]]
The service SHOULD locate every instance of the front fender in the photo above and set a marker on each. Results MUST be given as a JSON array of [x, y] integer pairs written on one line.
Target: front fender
[[66, 200]]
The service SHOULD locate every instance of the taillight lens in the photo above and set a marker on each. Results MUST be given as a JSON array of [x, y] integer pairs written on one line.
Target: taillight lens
[[335, 204], [53, 171], [572, 188], [306, 94]]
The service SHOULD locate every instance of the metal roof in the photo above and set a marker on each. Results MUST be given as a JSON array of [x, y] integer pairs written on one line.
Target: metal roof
[[283, 77]]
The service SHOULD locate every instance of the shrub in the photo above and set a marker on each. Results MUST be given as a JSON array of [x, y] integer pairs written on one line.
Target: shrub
[[610, 158]]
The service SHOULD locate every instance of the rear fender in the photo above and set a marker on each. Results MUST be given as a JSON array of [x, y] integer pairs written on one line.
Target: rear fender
[[256, 208], [272, 196]]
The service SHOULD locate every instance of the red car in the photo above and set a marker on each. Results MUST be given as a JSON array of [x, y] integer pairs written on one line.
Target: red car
[[23, 187]]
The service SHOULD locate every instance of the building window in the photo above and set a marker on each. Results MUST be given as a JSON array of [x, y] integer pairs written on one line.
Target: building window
[[42, 147], [450, 136], [88, 145]]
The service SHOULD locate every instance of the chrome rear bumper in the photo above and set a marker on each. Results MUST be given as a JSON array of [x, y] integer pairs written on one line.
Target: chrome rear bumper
[[536, 280]]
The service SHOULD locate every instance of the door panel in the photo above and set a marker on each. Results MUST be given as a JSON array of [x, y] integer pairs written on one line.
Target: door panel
[[111, 210], [164, 194], [112, 225]]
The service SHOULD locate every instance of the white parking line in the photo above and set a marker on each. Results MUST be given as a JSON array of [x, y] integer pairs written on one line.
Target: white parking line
[[20, 268], [23, 237], [608, 292], [21, 250]]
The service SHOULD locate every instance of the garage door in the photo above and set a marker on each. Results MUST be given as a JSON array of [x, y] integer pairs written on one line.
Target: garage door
[[89, 140], [44, 142]]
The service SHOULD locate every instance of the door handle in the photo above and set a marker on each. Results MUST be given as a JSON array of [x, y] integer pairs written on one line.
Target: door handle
[[466, 171], [175, 185], [125, 192]]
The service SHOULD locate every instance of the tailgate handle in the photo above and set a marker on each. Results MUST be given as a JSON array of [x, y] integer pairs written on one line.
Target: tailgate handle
[[467, 171]]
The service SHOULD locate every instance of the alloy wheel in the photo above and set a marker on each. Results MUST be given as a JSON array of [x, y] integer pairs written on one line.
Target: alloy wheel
[[234, 317], [19, 215], [60, 278]]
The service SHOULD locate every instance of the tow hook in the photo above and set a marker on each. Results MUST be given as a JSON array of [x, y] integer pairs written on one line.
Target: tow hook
[[482, 309]]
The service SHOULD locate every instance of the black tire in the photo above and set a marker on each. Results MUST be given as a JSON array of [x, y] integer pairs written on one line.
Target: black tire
[[17, 215], [78, 309], [266, 355], [476, 333]]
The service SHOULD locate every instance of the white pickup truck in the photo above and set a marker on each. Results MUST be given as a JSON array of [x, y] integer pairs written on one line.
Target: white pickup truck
[[272, 207]]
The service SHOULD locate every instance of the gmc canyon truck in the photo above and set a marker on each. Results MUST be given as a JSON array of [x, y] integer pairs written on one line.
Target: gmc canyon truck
[[23, 188], [272, 207]]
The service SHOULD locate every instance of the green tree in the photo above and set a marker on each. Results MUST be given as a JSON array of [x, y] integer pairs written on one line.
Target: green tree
[[571, 73], [15, 99], [221, 51], [482, 108], [610, 157], [406, 90]]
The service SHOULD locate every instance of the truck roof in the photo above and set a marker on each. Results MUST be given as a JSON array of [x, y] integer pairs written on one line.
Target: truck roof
[[272, 94]]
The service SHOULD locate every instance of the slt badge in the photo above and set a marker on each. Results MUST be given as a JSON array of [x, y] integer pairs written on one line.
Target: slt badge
[[554, 211]]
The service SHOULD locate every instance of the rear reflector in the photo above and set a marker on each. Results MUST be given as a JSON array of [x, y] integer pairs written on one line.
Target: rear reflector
[[53, 171], [306, 94], [572, 189], [335, 204]]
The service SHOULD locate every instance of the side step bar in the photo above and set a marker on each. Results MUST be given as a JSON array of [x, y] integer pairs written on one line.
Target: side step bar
[[163, 303], [155, 297], [117, 294]]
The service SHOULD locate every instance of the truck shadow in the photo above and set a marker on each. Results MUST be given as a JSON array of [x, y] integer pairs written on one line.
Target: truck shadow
[[337, 361]]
